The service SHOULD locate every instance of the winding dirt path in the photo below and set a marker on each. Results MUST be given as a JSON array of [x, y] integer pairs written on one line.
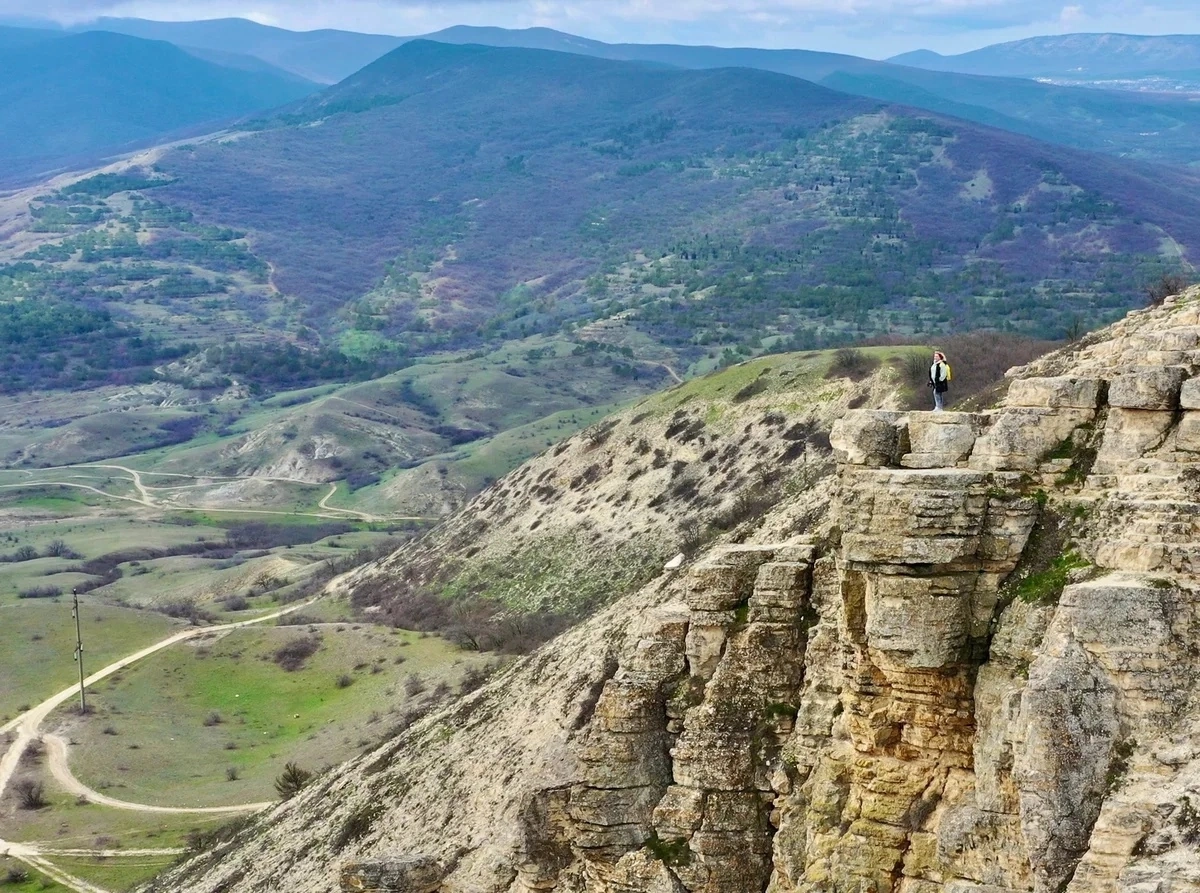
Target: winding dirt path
[[56, 751], [28, 725], [146, 493]]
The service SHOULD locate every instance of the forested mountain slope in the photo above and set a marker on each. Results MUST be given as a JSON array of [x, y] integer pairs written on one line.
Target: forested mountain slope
[[538, 232], [1150, 126], [518, 189]]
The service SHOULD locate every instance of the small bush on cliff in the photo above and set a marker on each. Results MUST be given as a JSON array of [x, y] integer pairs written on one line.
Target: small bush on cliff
[[1187, 820], [1119, 765], [291, 781], [852, 364], [1166, 287], [1045, 587], [669, 852], [203, 840]]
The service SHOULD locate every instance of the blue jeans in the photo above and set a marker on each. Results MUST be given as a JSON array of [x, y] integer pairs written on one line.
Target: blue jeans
[[939, 399]]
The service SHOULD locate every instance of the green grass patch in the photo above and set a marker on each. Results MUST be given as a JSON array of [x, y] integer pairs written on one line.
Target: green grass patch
[[169, 730], [68, 823], [1045, 587], [115, 873], [39, 641], [17, 877]]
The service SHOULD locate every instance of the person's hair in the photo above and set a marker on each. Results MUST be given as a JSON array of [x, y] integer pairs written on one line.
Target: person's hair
[[938, 355]]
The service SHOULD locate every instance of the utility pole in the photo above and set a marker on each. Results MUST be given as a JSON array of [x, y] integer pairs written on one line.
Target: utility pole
[[79, 653]]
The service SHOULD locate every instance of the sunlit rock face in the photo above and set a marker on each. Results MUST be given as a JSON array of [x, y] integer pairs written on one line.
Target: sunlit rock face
[[974, 670]]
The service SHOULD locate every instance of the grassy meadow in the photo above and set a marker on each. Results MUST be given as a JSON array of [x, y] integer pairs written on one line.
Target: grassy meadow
[[213, 721]]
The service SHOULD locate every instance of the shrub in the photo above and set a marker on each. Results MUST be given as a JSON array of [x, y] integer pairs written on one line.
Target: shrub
[[674, 852], [414, 685], [59, 549], [231, 774], [1167, 286], [1045, 587], [30, 794], [291, 781], [293, 654], [213, 719], [344, 681], [753, 389], [25, 553], [40, 592], [184, 609], [852, 364], [15, 874], [473, 679], [236, 603], [1187, 820], [201, 841]]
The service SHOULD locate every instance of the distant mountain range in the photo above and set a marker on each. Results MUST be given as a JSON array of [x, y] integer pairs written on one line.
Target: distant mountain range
[[1093, 56], [324, 56], [502, 178], [1150, 126], [68, 98]]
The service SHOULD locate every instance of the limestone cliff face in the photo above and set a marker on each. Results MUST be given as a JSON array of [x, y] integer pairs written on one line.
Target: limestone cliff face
[[977, 672]]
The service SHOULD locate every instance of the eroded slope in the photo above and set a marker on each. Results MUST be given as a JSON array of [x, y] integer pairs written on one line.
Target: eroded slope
[[974, 673]]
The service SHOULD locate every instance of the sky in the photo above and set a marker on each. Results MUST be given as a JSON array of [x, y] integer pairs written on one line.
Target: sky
[[873, 28]]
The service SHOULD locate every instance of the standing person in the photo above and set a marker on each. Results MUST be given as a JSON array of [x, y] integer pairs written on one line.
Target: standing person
[[939, 380]]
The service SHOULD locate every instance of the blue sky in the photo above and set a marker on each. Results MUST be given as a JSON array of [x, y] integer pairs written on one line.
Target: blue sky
[[876, 28]]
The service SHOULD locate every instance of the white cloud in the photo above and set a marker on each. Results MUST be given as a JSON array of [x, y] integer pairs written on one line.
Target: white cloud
[[1071, 16]]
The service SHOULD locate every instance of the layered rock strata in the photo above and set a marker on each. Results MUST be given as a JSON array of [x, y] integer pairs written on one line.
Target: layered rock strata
[[976, 673]]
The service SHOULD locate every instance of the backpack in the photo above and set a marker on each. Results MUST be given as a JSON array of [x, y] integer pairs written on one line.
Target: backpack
[[949, 374]]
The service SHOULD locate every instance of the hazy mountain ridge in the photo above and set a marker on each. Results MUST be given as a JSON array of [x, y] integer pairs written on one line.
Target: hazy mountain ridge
[[1080, 55], [72, 98], [1155, 127], [1105, 121], [324, 56]]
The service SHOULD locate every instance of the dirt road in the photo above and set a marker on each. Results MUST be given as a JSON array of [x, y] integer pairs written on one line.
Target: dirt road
[[146, 493], [28, 729], [56, 752]]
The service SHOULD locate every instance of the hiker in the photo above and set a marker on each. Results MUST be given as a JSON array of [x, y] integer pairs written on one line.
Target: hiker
[[939, 379]]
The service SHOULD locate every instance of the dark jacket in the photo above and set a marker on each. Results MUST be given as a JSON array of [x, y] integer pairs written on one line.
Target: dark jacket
[[939, 377]]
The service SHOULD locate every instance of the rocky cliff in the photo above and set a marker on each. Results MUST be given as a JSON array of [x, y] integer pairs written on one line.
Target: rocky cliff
[[974, 672]]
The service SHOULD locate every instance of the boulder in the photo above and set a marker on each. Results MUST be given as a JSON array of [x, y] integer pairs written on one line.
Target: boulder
[[1129, 435], [404, 874], [924, 621], [941, 439], [1055, 393], [1019, 438], [870, 437], [1149, 389], [1189, 394], [1187, 435]]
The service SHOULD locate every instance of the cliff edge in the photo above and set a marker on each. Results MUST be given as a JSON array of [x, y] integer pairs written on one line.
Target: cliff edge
[[975, 671]]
